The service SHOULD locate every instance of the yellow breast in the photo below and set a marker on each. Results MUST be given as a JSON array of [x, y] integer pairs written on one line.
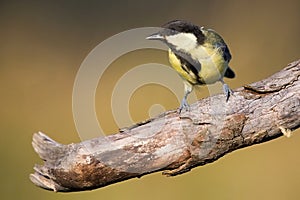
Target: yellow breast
[[176, 64], [213, 66]]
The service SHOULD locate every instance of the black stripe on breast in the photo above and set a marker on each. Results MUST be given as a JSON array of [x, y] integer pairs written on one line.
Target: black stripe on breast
[[189, 64]]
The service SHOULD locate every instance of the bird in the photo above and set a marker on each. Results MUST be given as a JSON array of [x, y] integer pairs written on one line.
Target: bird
[[200, 56]]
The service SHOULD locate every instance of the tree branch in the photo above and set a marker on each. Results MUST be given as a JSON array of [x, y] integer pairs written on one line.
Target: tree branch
[[175, 143]]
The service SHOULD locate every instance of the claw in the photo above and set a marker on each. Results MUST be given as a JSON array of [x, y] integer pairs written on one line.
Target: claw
[[184, 105], [227, 91]]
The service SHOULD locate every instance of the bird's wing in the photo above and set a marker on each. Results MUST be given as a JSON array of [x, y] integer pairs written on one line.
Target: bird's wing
[[218, 42], [229, 73], [226, 53]]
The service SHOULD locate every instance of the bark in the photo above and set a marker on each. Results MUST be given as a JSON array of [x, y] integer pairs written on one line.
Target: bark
[[175, 143]]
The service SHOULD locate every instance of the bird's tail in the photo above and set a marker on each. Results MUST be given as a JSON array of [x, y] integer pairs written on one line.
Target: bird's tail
[[229, 73]]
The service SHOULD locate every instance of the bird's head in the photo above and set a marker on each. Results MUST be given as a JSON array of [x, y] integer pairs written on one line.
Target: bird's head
[[180, 34]]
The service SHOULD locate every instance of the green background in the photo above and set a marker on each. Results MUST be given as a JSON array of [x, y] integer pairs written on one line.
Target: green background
[[43, 43]]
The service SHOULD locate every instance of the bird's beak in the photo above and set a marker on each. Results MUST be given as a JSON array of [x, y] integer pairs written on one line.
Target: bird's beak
[[155, 36]]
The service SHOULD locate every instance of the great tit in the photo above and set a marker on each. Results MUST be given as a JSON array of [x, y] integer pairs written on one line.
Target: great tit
[[200, 56]]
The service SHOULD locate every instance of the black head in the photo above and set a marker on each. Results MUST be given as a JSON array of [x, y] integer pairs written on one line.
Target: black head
[[179, 26]]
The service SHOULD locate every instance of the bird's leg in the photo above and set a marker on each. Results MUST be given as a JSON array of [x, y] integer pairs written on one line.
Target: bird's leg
[[226, 89], [184, 104]]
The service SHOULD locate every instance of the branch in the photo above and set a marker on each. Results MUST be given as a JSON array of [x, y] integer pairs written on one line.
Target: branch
[[175, 143]]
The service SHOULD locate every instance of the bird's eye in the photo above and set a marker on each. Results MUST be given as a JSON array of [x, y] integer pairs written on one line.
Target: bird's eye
[[168, 31], [173, 32]]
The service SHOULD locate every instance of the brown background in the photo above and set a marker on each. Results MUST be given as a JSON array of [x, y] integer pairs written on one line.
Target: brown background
[[43, 43]]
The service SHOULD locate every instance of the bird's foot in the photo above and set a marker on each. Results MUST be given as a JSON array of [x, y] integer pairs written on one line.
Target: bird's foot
[[227, 91], [184, 106]]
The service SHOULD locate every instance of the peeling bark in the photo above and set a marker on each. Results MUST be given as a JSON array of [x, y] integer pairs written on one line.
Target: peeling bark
[[175, 143]]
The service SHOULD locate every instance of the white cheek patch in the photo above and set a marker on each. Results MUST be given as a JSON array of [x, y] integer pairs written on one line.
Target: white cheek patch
[[185, 41]]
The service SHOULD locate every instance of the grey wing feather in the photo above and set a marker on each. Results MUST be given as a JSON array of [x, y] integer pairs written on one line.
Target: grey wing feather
[[226, 53], [227, 57]]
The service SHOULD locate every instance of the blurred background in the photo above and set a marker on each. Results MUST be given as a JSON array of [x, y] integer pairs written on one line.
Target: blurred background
[[43, 43]]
